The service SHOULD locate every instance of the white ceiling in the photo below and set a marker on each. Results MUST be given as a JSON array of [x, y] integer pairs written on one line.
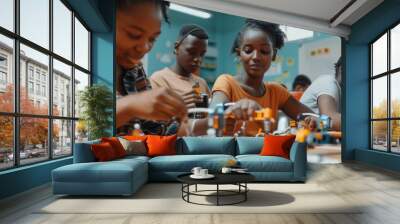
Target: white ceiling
[[313, 15], [320, 9]]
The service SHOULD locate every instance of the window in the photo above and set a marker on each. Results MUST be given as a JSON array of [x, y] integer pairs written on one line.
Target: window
[[47, 73], [30, 72], [3, 78], [62, 75], [37, 74], [30, 87], [3, 61], [81, 45], [34, 24], [7, 14], [7, 90], [3, 72], [385, 94], [44, 91], [38, 89]]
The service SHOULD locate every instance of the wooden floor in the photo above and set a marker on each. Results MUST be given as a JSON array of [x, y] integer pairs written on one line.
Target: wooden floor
[[379, 189]]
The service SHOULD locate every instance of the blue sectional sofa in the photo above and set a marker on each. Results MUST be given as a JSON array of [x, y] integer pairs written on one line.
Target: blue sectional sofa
[[125, 176]]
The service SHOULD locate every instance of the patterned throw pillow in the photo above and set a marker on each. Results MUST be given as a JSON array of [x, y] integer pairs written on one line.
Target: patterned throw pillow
[[134, 147]]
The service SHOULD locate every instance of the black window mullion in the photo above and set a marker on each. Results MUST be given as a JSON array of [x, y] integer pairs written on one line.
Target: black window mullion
[[16, 83], [50, 87], [73, 83], [389, 101], [371, 89]]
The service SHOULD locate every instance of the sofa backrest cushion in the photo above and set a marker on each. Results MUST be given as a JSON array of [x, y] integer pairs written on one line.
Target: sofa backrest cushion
[[206, 145], [83, 152], [249, 145]]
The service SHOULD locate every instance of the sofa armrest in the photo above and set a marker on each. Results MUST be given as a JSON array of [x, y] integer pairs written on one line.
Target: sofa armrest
[[83, 152], [298, 155]]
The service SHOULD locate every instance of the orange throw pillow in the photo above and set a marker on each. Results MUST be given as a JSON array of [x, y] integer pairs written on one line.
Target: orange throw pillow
[[103, 152], [161, 145], [116, 145], [135, 138], [275, 145]]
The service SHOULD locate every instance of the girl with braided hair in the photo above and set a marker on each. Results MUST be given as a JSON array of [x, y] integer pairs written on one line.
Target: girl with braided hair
[[256, 46]]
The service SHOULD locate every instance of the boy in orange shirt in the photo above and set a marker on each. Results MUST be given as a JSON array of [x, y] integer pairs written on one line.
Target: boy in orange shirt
[[189, 50]]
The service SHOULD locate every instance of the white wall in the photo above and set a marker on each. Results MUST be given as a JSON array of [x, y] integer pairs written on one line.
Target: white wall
[[321, 63]]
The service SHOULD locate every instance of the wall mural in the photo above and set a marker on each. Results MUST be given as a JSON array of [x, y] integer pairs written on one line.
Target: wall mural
[[193, 57]]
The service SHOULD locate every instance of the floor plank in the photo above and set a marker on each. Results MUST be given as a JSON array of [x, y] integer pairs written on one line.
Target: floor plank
[[377, 190]]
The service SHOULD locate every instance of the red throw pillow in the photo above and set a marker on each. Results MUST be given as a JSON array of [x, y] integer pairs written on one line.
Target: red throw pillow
[[161, 145], [103, 152], [275, 145], [116, 145], [135, 138]]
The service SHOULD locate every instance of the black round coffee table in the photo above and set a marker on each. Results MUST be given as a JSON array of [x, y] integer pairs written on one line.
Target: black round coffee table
[[238, 179]]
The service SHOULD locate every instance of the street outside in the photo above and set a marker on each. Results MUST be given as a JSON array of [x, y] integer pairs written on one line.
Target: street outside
[[29, 156]]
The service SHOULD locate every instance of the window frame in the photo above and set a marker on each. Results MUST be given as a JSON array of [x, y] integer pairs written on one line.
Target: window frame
[[388, 74], [16, 115]]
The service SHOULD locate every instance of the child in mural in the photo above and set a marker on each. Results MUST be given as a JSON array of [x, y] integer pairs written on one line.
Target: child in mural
[[189, 50], [300, 85], [137, 27], [323, 96], [256, 46]]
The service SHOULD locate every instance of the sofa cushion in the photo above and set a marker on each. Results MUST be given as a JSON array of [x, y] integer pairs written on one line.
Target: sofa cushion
[[112, 171], [128, 159], [257, 163], [249, 145], [185, 163], [206, 145], [83, 153]]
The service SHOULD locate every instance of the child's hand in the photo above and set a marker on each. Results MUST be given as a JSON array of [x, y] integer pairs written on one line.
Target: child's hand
[[311, 123], [243, 109], [159, 104], [191, 98]]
